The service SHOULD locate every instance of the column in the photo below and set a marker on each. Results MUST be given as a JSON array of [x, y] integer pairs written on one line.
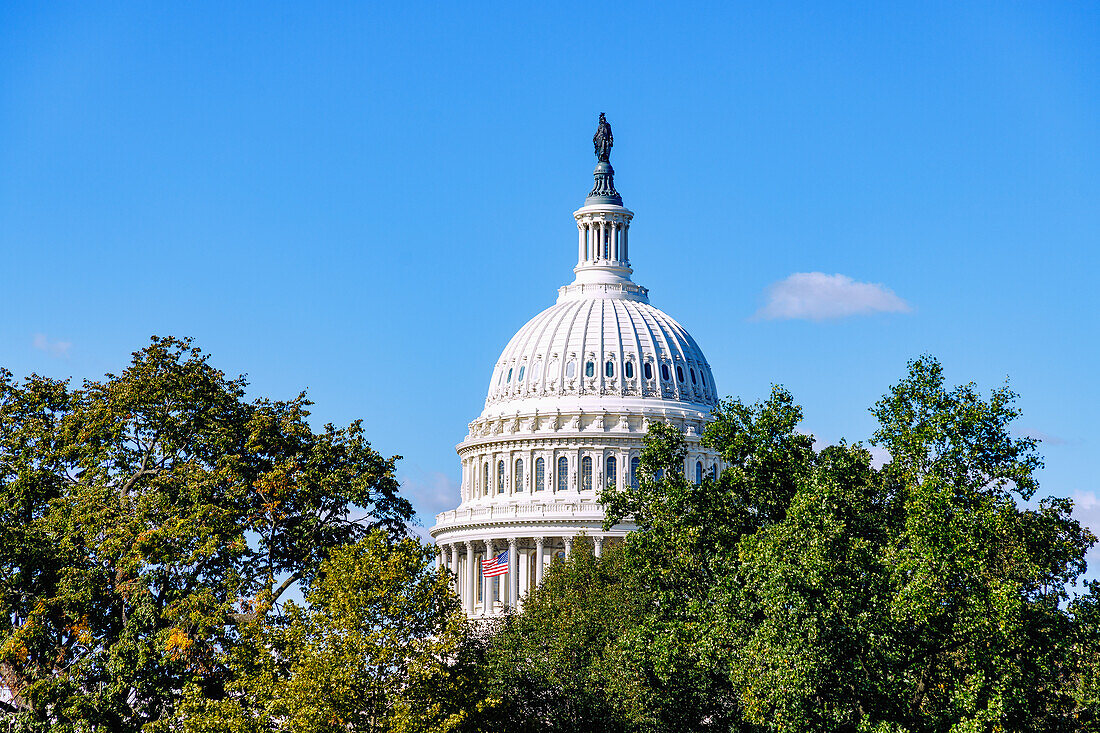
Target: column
[[470, 576], [487, 584], [580, 242], [538, 560], [454, 569], [626, 228], [513, 573], [614, 241], [568, 546], [597, 542], [603, 235]]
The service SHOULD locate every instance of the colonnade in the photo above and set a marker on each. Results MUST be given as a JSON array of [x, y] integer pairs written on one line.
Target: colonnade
[[602, 239], [463, 559]]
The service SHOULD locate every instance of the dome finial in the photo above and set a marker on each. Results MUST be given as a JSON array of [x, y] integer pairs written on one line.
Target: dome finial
[[604, 191], [603, 140]]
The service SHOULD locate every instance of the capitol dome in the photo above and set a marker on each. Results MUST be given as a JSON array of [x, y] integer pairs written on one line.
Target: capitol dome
[[616, 349], [569, 402]]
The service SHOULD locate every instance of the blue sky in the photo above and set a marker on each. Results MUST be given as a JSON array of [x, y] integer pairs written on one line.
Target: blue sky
[[367, 200]]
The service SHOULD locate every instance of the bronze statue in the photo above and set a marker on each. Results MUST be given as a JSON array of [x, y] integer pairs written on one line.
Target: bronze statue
[[603, 140]]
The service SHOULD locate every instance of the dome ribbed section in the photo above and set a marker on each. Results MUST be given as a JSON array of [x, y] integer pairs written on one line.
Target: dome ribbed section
[[605, 348]]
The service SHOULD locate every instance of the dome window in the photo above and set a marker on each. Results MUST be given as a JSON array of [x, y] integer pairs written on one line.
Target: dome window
[[714, 472], [519, 476], [647, 370], [610, 474], [590, 369], [690, 370], [563, 474], [703, 377], [509, 380], [485, 480], [698, 472], [536, 370], [500, 477], [634, 462], [540, 474], [570, 369], [664, 372], [609, 369], [628, 370], [522, 369], [586, 473], [680, 374]]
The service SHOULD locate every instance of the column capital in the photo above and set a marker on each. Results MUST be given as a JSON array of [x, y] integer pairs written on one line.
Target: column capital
[[512, 542]]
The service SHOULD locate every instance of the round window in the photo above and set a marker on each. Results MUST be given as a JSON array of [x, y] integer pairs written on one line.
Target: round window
[[522, 369], [509, 376], [628, 370], [570, 369], [590, 369], [664, 372], [680, 373], [647, 370]]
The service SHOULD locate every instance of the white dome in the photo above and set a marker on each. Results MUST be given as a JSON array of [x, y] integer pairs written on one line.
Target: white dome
[[609, 347]]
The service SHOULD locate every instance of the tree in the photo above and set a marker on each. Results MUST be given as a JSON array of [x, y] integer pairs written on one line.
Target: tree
[[146, 517], [810, 591], [381, 645]]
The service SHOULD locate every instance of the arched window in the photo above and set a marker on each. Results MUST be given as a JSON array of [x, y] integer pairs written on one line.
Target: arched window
[[570, 369], [540, 474], [680, 374], [485, 480], [714, 472], [664, 372], [690, 370], [563, 474], [509, 380], [522, 369], [500, 477], [519, 477], [586, 473], [590, 369], [628, 370], [647, 370], [609, 369], [698, 472], [610, 475]]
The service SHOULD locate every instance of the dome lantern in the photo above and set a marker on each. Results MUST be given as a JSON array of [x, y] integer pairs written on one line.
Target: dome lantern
[[602, 226]]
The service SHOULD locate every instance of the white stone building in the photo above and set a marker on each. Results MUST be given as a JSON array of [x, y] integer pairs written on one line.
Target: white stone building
[[569, 401]]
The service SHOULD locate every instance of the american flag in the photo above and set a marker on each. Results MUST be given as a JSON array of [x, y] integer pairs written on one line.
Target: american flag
[[495, 566]]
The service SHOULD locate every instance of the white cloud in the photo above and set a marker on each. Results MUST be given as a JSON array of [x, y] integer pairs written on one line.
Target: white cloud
[[816, 296], [53, 347], [1045, 438], [430, 492]]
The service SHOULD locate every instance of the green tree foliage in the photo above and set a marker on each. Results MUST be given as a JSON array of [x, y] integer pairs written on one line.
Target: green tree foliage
[[380, 646], [810, 591], [147, 517]]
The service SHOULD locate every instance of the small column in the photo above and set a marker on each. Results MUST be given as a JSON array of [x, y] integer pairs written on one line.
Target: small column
[[470, 576], [597, 542], [454, 569], [580, 241], [626, 250], [538, 560], [513, 573], [487, 584], [568, 546], [614, 241]]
